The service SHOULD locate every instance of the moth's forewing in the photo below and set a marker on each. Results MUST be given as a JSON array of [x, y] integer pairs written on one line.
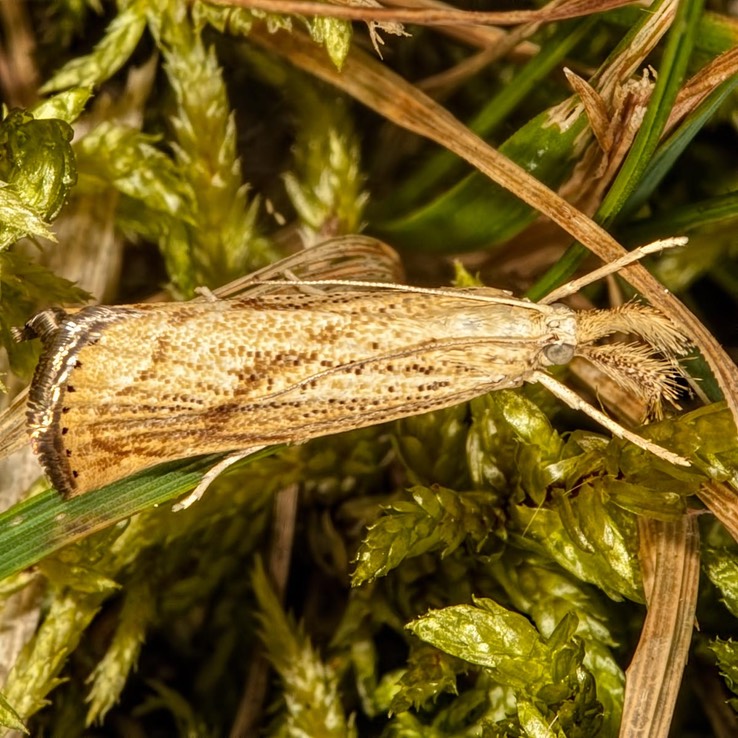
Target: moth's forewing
[[122, 389]]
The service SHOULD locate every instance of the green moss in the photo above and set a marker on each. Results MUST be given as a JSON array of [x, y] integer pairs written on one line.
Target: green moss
[[476, 571]]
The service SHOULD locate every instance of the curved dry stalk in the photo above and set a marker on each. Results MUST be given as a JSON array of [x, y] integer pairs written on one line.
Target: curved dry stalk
[[400, 102], [430, 17], [482, 37], [251, 705], [670, 556], [723, 503]]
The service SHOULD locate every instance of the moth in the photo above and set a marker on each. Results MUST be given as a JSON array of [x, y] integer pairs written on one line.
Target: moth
[[121, 389]]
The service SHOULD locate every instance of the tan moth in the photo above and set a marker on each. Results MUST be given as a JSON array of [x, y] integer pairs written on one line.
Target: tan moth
[[120, 389]]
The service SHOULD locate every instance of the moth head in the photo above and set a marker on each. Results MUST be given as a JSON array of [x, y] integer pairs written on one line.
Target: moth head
[[562, 322]]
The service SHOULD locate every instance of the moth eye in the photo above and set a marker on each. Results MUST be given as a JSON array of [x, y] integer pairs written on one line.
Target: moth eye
[[559, 353]]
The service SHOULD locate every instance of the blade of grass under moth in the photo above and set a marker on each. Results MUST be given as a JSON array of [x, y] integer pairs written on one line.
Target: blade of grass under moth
[[37, 527]]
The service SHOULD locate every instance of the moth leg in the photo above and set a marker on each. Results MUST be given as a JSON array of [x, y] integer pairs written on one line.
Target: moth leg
[[573, 400], [210, 477]]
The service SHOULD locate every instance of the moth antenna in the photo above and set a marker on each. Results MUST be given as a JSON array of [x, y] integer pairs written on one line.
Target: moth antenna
[[634, 368], [612, 267], [635, 318], [474, 294]]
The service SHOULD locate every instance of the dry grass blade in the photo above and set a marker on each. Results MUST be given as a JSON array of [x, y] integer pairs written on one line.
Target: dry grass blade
[[655, 673], [397, 100], [431, 17], [633, 57], [702, 84], [484, 37], [721, 500], [599, 117]]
